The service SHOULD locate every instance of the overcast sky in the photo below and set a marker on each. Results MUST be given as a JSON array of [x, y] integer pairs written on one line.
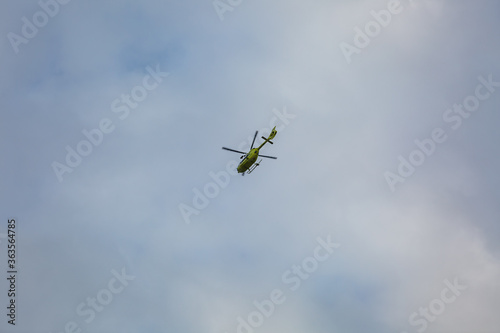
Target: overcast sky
[[380, 214]]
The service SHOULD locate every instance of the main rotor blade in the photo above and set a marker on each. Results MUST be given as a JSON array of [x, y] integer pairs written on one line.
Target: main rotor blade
[[236, 151], [253, 139], [267, 156]]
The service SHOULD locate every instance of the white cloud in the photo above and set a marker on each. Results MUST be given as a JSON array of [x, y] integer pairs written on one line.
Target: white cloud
[[120, 206]]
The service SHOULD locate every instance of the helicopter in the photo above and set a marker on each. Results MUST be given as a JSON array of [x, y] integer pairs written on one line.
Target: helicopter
[[247, 163]]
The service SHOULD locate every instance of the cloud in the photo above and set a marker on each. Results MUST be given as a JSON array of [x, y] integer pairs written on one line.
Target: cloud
[[119, 207]]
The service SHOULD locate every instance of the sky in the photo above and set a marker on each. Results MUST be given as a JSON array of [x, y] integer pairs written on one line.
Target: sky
[[380, 213]]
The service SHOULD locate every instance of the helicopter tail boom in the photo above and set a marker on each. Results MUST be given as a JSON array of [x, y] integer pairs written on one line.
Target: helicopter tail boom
[[270, 137]]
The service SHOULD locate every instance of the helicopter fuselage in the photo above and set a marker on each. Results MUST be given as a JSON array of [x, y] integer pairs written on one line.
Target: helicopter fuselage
[[248, 160]]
